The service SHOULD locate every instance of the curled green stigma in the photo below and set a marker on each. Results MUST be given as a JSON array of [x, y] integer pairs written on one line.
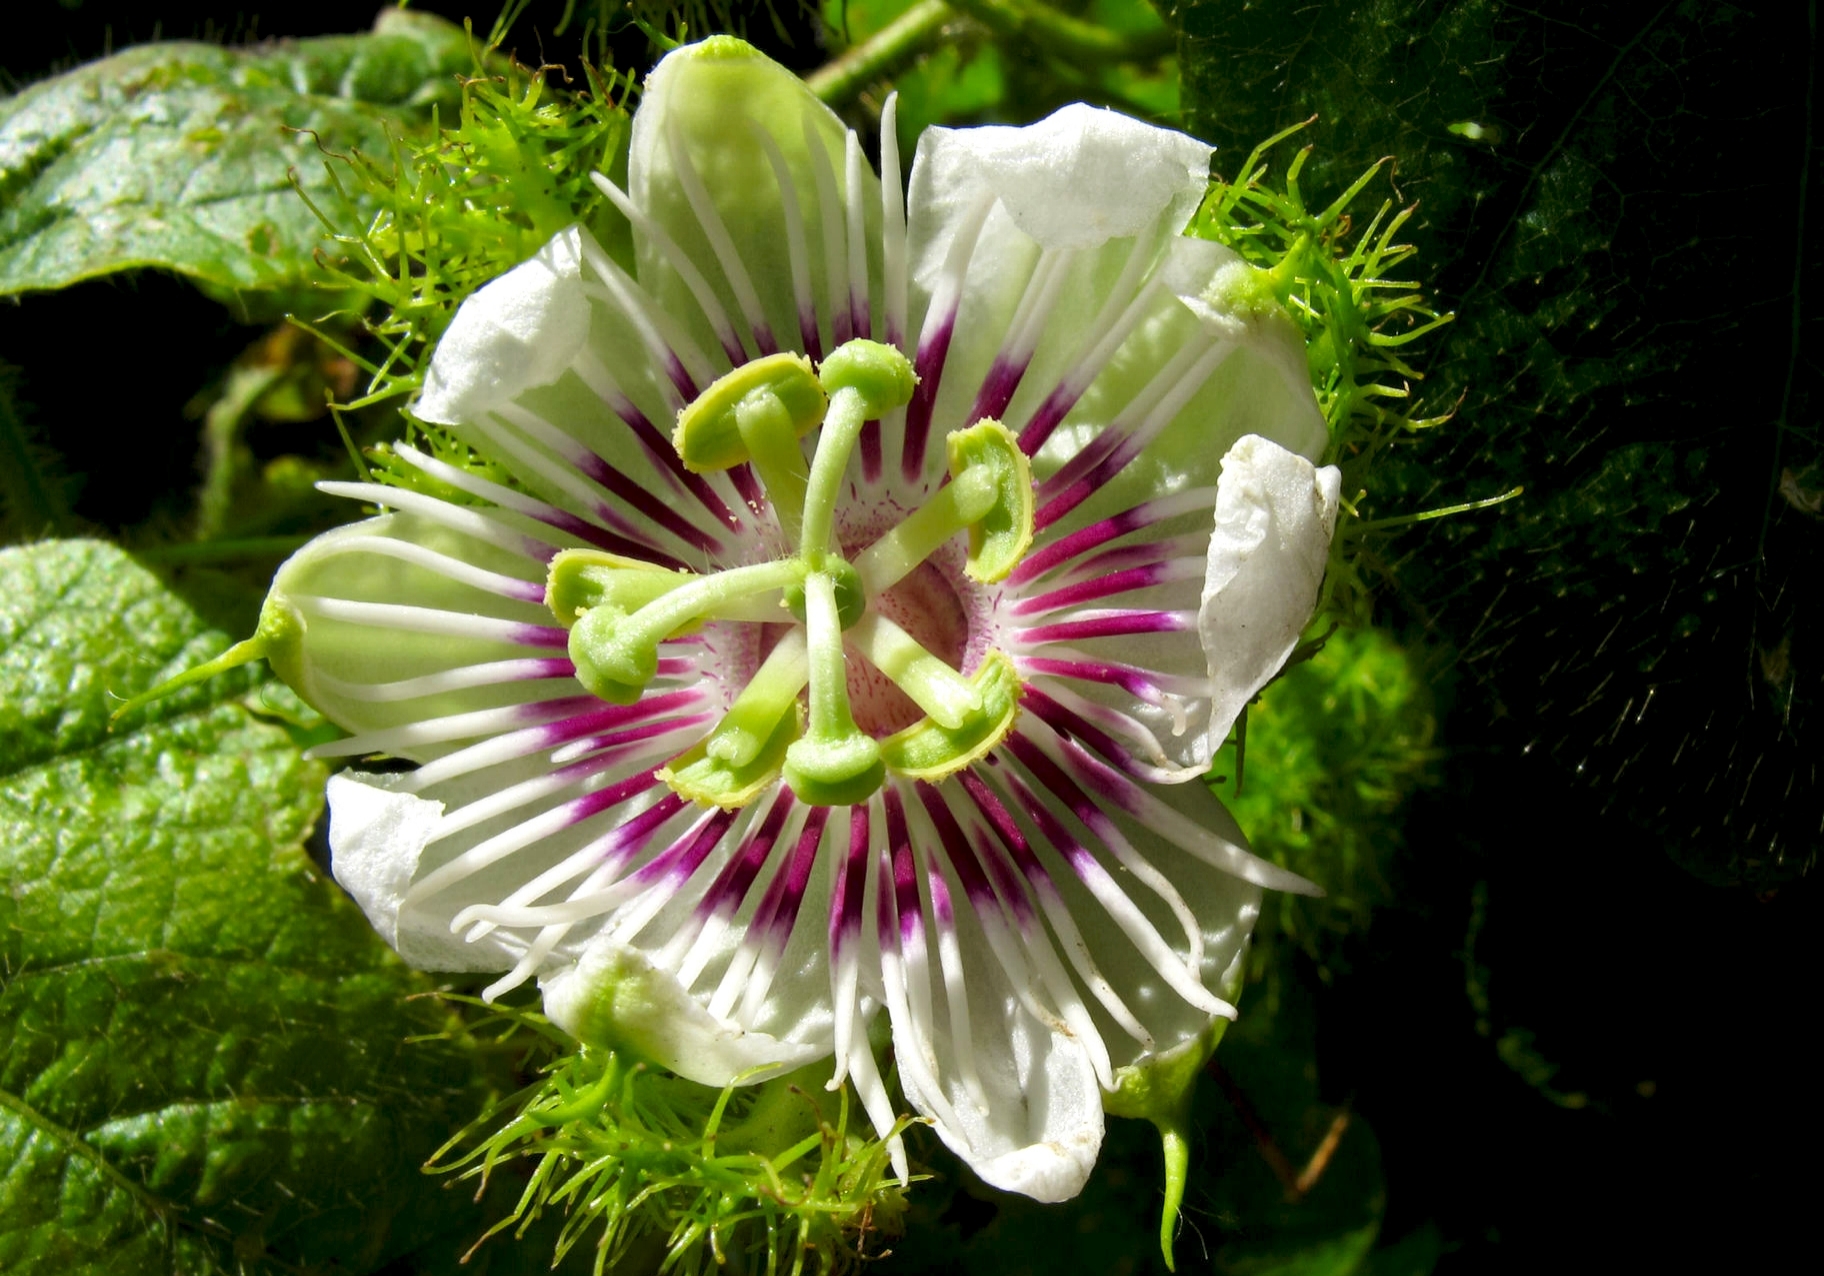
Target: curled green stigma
[[930, 751], [1000, 536]]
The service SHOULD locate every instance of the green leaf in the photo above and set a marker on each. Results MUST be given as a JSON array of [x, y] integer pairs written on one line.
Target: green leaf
[[182, 156], [206, 1057]]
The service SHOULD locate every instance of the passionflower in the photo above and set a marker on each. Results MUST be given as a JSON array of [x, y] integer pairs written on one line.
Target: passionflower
[[855, 588]]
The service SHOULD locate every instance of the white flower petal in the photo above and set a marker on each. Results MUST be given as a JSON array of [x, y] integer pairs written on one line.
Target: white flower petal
[[1275, 513], [518, 331], [1076, 179], [377, 838]]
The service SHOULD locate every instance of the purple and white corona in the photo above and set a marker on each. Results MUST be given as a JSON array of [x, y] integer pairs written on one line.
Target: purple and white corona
[[877, 577]]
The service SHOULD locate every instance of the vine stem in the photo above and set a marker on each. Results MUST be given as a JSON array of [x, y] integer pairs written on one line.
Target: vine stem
[[901, 41]]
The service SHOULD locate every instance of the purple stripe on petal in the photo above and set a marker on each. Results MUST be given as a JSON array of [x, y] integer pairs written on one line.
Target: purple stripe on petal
[[663, 454], [1071, 725], [870, 451], [674, 865], [1111, 624], [1048, 417], [748, 486], [859, 324], [674, 369], [764, 341], [643, 502], [957, 851], [1130, 678], [808, 334], [601, 538], [846, 901], [929, 365], [731, 885], [1044, 559], [997, 389], [1101, 587], [778, 911], [905, 870], [1081, 861], [626, 841], [1006, 874]]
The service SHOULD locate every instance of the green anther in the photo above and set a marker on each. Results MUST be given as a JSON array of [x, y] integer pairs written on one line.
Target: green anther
[[699, 776], [617, 654], [581, 579], [930, 752], [879, 373], [851, 598], [709, 434], [1000, 537], [835, 763], [609, 667]]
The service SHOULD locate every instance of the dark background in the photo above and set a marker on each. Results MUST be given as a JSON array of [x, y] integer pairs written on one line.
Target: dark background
[[1577, 1026]]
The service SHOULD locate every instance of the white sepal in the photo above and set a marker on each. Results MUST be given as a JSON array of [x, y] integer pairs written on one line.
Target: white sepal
[[516, 332], [1275, 514], [615, 996]]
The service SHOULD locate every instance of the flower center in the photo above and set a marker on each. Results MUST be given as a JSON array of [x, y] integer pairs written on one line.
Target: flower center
[[878, 638]]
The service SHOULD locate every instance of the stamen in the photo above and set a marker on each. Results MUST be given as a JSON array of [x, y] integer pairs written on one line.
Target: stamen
[[430, 620], [455, 569], [892, 223], [934, 341], [461, 678], [830, 214], [794, 241], [667, 345], [952, 509], [680, 261], [853, 166], [744, 755], [458, 518], [733, 268], [864, 379]]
